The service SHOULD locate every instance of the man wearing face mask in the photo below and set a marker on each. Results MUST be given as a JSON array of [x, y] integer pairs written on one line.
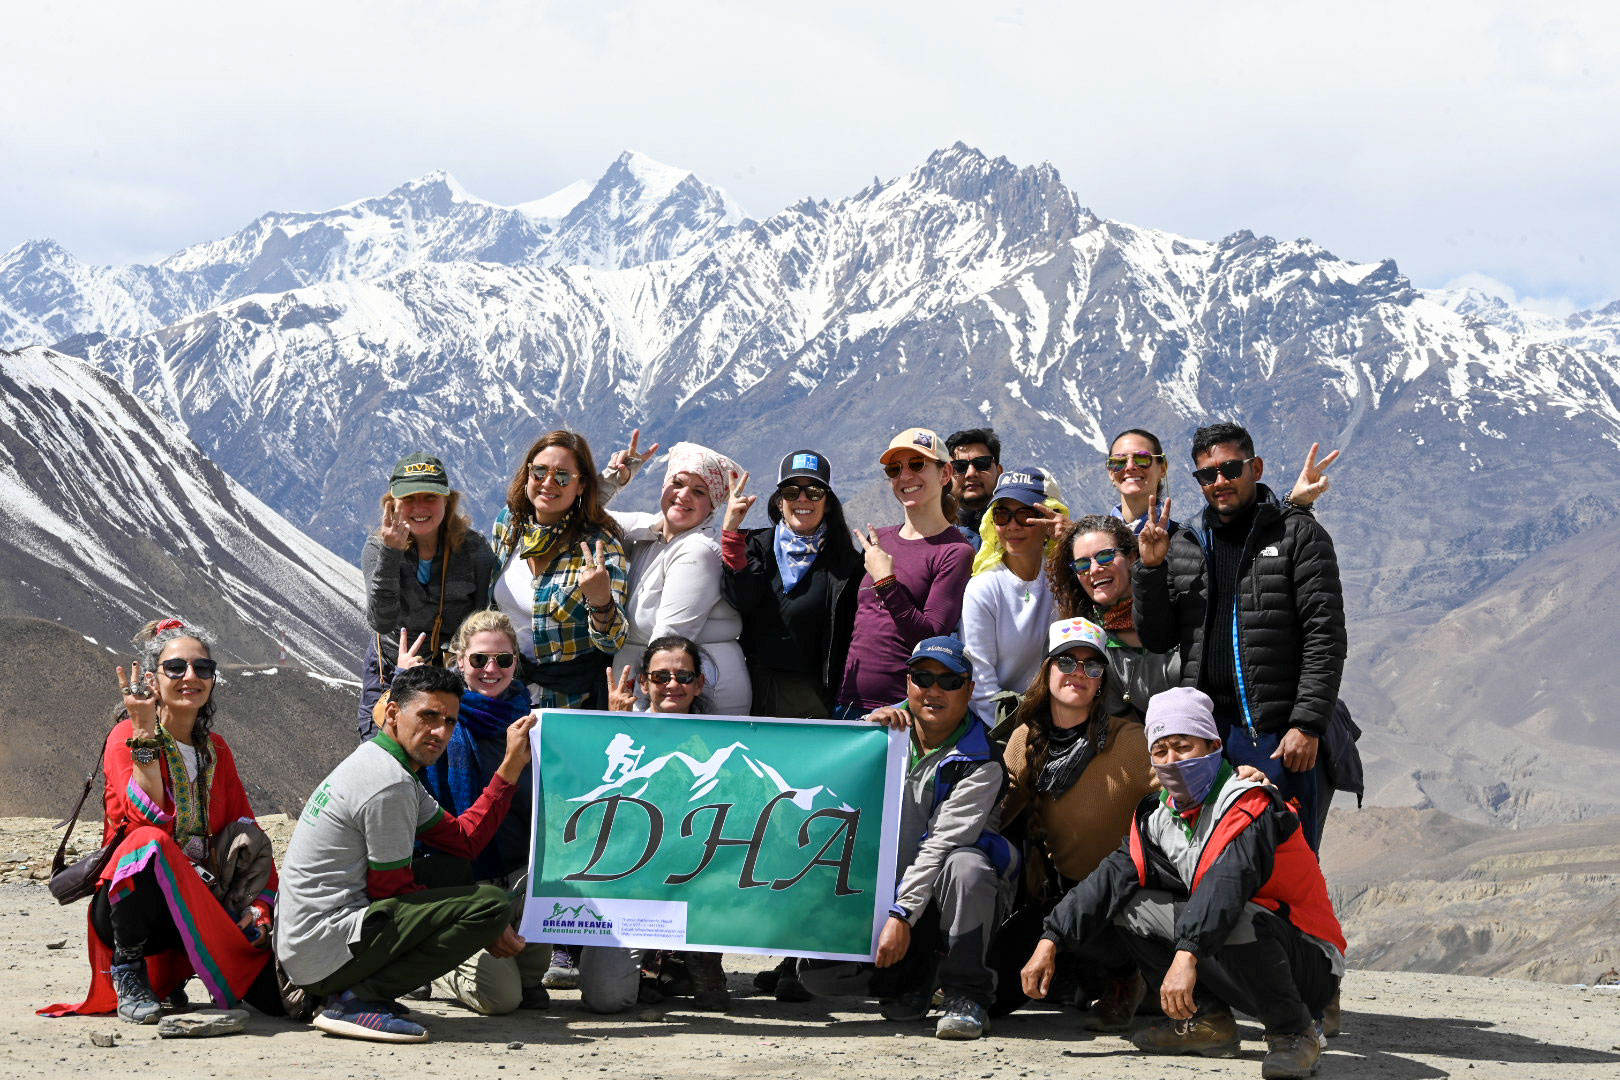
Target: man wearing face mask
[[1221, 900], [956, 870]]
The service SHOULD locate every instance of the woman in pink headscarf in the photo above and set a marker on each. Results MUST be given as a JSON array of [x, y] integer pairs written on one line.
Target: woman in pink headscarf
[[676, 574]]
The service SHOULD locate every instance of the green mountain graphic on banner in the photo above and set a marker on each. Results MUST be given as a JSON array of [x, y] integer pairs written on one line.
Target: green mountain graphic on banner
[[739, 820]]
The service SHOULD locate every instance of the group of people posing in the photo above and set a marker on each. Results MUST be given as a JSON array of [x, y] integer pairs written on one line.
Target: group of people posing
[[1125, 737]]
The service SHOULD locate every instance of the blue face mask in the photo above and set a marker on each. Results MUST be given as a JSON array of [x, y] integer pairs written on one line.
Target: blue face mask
[[1188, 781]]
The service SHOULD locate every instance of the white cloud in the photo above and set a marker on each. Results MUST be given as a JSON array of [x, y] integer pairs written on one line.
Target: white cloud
[[1559, 306], [1453, 135]]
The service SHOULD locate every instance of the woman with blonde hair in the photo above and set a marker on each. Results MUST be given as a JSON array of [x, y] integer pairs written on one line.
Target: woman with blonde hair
[[425, 571]]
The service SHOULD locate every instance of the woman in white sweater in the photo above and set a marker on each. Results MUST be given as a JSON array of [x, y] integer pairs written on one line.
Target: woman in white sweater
[[676, 573], [1007, 607]]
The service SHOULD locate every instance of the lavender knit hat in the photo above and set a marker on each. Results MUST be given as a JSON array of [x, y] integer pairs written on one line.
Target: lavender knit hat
[[1181, 710]]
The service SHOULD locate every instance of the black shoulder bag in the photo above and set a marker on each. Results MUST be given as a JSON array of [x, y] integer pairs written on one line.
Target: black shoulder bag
[[71, 882]]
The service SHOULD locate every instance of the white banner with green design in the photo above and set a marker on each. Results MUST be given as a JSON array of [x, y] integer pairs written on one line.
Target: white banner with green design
[[722, 834]]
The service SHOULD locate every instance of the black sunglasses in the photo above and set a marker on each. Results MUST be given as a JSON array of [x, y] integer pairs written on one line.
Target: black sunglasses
[[983, 463], [1229, 469], [948, 680], [1068, 664], [813, 492], [1024, 515], [685, 678], [481, 659], [176, 668]]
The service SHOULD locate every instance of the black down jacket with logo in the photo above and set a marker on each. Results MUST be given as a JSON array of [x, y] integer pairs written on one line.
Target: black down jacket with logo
[[1290, 643]]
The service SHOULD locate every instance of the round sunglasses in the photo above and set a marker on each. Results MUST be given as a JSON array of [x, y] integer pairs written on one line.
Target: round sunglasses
[[499, 659], [1069, 664], [915, 465]]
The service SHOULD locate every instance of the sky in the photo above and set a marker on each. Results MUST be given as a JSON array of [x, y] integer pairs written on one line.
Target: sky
[[1475, 143]]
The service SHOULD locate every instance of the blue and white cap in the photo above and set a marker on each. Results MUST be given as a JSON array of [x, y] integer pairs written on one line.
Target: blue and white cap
[[808, 464], [1029, 485], [947, 650]]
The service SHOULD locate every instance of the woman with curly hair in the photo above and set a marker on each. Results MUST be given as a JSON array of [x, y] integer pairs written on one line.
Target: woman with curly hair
[[166, 907], [1075, 775]]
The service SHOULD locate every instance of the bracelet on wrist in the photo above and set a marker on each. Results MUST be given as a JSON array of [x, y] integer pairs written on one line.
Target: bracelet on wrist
[[884, 582], [144, 742], [605, 609]]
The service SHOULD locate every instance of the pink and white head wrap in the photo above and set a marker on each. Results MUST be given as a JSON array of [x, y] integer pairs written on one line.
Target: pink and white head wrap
[[712, 467]]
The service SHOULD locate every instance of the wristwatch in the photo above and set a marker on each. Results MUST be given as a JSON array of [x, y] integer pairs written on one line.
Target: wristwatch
[[144, 755]]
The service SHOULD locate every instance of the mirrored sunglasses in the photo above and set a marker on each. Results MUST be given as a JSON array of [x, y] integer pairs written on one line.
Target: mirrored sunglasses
[[1103, 557]]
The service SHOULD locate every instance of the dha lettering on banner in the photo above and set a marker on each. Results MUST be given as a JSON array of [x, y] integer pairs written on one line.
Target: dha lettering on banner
[[740, 834]]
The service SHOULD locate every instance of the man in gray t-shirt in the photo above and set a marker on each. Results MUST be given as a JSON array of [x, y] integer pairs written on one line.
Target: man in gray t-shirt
[[353, 925]]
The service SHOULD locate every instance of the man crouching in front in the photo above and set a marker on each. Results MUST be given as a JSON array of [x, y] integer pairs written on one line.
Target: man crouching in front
[[355, 927], [954, 867], [1221, 899]]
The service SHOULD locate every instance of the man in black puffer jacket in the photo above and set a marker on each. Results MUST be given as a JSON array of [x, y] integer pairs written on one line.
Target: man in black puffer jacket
[[1250, 593]]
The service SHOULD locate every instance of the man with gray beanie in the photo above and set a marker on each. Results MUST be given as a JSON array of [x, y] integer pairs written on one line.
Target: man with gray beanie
[[1221, 900]]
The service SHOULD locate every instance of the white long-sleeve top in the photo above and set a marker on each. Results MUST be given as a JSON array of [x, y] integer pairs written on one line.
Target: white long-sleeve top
[[1005, 620]]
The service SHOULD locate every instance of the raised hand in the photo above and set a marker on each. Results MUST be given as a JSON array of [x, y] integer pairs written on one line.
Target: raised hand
[[518, 752], [1313, 480], [1049, 521], [621, 691], [395, 533], [738, 505], [140, 700], [624, 463], [1154, 539], [879, 563], [408, 655], [595, 584]]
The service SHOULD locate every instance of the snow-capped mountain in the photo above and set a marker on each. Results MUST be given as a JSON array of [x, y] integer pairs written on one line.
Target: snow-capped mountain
[[111, 517], [638, 211], [1598, 330]]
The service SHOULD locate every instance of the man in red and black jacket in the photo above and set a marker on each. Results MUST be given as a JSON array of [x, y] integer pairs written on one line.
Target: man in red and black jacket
[[1221, 900]]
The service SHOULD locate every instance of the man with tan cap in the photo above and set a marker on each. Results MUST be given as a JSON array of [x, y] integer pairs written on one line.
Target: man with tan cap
[[1222, 902], [915, 574]]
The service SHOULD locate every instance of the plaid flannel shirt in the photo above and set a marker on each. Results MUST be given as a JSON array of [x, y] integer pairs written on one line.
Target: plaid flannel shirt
[[561, 620]]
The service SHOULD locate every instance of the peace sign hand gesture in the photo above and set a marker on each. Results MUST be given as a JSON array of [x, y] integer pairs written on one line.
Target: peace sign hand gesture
[[395, 533], [1154, 539], [595, 584], [1050, 521], [624, 463], [408, 656], [1313, 480], [879, 563], [621, 691], [738, 505], [140, 700]]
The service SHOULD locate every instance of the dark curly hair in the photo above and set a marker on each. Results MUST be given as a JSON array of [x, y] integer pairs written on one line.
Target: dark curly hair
[[1073, 602], [1034, 713]]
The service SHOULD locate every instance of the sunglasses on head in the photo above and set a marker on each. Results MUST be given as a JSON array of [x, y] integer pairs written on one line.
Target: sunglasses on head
[[1024, 515], [1103, 557], [685, 678], [1068, 664], [483, 659], [1118, 462], [982, 463], [945, 680], [1229, 469], [540, 473], [916, 465], [813, 492], [176, 668]]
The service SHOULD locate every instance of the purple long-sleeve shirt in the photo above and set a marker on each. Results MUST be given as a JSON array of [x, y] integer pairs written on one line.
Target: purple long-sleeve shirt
[[925, 600]]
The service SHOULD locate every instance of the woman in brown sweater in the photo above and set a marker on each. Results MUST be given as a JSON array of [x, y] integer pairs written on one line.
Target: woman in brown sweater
[[1075, 776]]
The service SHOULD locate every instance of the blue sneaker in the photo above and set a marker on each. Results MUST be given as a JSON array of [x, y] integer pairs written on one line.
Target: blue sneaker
[[352, 1018], [137, 1004]]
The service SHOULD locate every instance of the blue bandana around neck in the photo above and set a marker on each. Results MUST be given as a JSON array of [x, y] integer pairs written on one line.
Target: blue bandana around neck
[[488, 718], [459, 776], [795, 553]]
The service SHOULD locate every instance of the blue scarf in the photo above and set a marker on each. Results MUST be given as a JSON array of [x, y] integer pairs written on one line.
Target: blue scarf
[[795, 553], [458, 778]]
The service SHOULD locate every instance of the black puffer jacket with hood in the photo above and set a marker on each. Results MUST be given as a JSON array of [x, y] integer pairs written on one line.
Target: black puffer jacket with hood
[[1288, 622]]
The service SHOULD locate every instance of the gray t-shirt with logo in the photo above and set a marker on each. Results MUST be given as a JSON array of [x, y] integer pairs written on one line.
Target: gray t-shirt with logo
[[364, 816]]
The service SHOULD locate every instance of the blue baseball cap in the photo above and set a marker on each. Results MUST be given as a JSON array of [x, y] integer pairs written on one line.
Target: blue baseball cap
[[1029, 485], [947, 650]]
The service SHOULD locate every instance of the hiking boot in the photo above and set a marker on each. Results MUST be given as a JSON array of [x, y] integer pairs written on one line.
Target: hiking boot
[[534, 997], [137, 1004], [1211, 1034], [672, 975], [1117, 1008], [709, 990], [1290, 1057], [562, 974], [790, 989], [964, 1019], [765, 981], [909, 1007], [352, 1018], [1332, 1022]]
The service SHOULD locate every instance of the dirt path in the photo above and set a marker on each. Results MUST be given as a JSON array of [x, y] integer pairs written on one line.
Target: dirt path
[[1396, 1026]]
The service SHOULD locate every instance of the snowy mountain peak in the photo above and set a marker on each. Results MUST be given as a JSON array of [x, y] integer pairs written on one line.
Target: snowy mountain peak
[[437, 183], [556, 206]]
